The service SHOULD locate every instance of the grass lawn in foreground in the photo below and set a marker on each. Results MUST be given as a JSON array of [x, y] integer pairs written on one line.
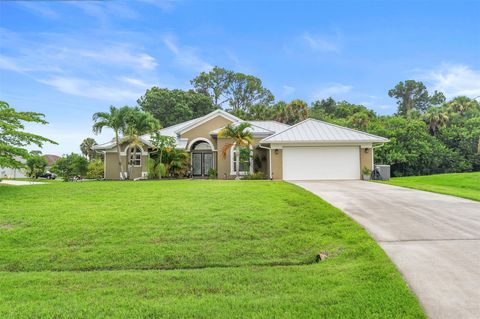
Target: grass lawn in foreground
[[189, 249], [466, 185]]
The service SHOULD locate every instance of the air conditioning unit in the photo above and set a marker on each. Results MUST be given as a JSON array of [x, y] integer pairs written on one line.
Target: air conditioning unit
[[381, 172]]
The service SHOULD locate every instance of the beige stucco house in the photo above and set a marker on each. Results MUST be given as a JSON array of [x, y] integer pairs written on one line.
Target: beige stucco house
[[309, 150]]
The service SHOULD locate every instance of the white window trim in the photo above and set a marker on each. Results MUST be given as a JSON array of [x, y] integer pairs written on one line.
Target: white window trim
[[132, 154], [232, 158], [192, 142]]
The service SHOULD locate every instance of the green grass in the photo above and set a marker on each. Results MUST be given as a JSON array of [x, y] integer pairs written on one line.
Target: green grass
[[466, 185], [189, 249]]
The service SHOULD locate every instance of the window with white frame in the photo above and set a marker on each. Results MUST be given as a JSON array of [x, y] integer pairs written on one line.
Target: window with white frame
[[244, 154], [135, 156]]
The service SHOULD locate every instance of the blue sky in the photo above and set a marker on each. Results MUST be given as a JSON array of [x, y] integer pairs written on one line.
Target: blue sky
[[71, 59]]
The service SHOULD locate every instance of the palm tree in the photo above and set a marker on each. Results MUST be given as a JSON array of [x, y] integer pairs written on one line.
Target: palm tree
[[436, 118], [115, 120], [138, 123], [87, 148], [462, 104], [241, 136]]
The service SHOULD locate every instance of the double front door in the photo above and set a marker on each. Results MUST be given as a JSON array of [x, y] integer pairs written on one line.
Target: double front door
[[202, 163]]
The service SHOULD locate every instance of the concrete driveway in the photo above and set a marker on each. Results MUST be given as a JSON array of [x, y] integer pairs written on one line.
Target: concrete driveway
[[433, 239]]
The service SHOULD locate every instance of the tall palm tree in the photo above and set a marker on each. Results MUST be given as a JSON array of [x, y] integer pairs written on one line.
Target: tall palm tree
[[241, 136], [138, 123], [87, 148], [462, 104], [115, 119], [436, 118]]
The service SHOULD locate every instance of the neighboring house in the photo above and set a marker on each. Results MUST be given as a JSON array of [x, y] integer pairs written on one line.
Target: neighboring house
[[311, 149], [51, 159], [7, 172]]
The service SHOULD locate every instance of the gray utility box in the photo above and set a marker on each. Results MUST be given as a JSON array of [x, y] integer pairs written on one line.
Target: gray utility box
[[382, 172]]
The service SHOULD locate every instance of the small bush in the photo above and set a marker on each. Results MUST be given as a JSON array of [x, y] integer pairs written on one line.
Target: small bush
[[95, 169], [255, 176], [70, 167], [212, 173]]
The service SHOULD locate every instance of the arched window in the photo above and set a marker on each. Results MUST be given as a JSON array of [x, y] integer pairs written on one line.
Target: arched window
[[202, 146], [135, 156]]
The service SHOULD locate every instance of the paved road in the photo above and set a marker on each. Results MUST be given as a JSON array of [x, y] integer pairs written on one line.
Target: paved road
[[19, 183], [433, 239]]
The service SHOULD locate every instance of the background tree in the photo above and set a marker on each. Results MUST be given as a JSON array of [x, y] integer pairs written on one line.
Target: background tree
[[71, 166], [215, 84], [235, 92], [175, 106], [87, 148], [413, 95], [241, 136], [36, 165], [323, 109], [359, 120], [435, 118], [245, 91], [295, 111], [13, 138], [115, 120], [463, 105]]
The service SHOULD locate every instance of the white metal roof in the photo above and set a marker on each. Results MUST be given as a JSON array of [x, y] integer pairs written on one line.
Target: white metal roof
[[109, 145], [254, 129], [273, 126], [312, 131]]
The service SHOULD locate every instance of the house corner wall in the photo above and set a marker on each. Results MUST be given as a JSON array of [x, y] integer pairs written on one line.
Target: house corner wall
[[277, 164], [366, 159]]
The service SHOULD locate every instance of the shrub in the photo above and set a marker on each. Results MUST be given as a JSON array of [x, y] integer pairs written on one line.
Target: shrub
[[36, 165], [155, 169], [71, 166], [255, 176], [212, 173], [95, 169]]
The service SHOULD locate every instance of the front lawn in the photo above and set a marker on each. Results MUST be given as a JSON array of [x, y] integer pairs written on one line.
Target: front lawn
[[189, 249], [466, 185]]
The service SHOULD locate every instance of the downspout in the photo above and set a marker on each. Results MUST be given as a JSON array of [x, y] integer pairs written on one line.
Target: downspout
[[269, 159]]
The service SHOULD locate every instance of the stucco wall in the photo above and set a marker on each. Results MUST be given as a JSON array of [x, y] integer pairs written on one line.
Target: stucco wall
[[111, 164], [277, 165], [366, 159], [204, 129]]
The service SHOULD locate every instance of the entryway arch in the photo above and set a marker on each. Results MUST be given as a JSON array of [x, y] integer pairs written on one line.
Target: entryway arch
[[202, 159]]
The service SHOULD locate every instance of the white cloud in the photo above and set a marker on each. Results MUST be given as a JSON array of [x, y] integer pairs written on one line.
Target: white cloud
[[454, 80], [186, 57], [320, 43], [117, 54], [288, 90], [136, 82], [39, 8], [386, 107], [93, 89], [333, 90], [164, 5]]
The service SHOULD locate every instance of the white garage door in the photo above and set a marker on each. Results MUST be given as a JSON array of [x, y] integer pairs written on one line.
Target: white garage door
[[317, 163]]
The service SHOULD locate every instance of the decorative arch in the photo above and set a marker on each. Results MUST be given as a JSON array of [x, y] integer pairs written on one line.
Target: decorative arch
[[200, 139]]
